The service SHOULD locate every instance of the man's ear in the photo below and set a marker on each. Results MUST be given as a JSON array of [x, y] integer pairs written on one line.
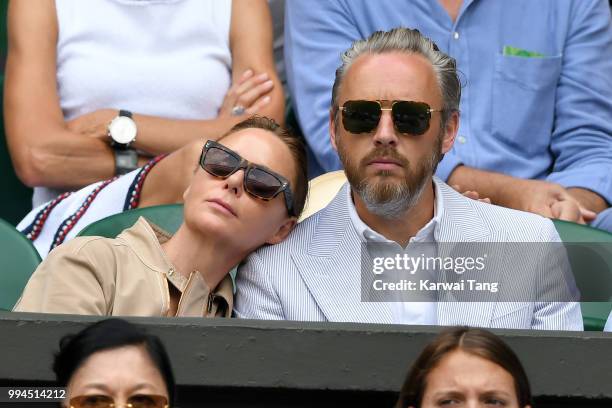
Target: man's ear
[[450, 132], [283, 231], [332, 129]]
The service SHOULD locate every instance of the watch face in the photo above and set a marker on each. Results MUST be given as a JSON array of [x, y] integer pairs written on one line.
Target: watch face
[[122, 129]]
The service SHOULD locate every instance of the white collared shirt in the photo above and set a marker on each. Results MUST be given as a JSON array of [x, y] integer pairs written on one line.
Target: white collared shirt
[[405, 312]]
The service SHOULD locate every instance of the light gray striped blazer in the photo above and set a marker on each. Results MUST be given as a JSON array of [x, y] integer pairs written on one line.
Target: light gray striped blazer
[[315, 274]]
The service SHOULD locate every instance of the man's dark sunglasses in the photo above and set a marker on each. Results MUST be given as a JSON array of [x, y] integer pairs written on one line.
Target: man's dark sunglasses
[[408, 116], [258, 181]]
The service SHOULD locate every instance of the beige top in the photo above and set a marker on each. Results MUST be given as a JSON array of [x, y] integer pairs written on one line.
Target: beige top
[[125, 276]]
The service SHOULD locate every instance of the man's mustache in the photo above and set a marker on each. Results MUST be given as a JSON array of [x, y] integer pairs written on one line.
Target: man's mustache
[[386, 153]]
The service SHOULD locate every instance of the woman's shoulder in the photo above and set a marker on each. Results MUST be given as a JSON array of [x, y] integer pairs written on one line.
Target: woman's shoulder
[[90, 249], [140, 230], [83, 244]]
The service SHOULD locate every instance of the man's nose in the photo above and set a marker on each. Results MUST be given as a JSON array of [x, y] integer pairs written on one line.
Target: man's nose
[[385, 132]]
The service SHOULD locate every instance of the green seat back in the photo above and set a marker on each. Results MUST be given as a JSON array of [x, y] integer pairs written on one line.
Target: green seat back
[[592, 267], [19, 259], [168, 217]]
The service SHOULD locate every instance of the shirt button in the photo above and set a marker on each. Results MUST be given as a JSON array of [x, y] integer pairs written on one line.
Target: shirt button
[[171, 272], [461, 139], [456, 35]]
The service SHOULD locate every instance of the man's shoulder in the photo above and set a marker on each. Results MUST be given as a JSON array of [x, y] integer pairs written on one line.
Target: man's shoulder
[[512, 224]]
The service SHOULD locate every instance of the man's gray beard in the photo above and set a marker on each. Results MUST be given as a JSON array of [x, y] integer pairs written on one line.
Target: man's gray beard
[[398, 198], [401, 199]]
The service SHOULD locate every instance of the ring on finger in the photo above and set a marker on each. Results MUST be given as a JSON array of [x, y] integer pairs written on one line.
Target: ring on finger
[[238, 110]]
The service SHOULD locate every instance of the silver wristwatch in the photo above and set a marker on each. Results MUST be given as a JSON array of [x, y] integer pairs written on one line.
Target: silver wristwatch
[[122, 132]]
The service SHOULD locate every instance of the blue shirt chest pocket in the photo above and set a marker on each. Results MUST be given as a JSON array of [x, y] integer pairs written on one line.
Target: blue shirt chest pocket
[[523, 102]]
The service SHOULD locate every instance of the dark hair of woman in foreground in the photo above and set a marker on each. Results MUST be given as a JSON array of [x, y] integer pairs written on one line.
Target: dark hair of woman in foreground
[[106, 340], [463, 363]]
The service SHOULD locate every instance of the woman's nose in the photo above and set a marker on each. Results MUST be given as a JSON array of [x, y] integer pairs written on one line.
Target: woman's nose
[[235, 182]]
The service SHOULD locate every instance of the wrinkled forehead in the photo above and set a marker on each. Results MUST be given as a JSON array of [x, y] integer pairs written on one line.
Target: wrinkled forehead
[[263, 148]]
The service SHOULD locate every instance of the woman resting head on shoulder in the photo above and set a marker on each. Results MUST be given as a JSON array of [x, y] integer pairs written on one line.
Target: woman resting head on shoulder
[[247, 190], [113, 363], [465, 367]]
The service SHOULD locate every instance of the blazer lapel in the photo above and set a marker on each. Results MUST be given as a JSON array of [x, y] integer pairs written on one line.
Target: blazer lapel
[[331, 267], [462, 223]]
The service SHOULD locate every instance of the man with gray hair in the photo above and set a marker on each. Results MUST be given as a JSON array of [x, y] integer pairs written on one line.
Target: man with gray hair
[[536, 128], [394, 114]]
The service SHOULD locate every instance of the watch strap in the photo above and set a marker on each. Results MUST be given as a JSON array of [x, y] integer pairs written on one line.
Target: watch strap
[[127, 113], [119, 146], [126, 160]]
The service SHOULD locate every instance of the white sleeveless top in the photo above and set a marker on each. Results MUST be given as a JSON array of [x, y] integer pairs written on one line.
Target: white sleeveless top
[[167, 58]]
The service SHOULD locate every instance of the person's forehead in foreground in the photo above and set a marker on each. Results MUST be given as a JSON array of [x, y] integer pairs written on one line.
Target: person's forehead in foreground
[[118, 372], [463, 379]]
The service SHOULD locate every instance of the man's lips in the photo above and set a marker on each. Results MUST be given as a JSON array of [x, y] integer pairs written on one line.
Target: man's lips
[[384, 163], [222, 205]]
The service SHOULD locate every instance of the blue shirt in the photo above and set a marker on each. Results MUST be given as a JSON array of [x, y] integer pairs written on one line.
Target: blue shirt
[[542, 117]]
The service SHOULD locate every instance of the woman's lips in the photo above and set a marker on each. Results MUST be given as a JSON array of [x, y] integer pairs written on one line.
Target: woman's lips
[[222, 206]]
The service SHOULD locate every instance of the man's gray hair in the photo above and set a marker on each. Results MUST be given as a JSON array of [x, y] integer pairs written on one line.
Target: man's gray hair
[[406, 41]]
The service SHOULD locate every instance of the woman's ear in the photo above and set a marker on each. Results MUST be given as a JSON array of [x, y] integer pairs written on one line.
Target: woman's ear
[[283, 231], [186, 192]]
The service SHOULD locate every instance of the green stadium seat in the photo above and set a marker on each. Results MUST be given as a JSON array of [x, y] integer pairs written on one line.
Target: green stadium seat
[[168, 217], [19, 259], [592, 267]]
